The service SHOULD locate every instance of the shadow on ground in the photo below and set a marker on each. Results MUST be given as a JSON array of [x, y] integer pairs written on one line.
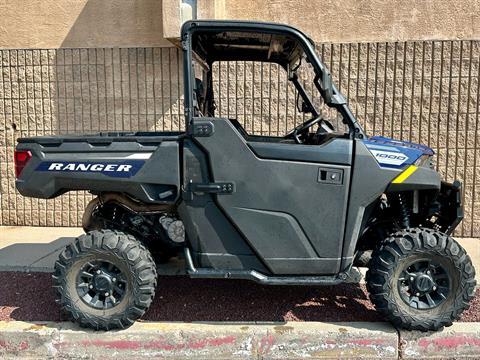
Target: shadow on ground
[[183, 299], [32, 256], [29, 297]]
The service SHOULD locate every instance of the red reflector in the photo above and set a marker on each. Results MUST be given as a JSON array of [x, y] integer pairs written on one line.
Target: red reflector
[[21, 159]]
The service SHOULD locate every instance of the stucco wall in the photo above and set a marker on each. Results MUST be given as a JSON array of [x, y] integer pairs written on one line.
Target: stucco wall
[[367, 20], [81, 23], [352, 20], [147, 23]]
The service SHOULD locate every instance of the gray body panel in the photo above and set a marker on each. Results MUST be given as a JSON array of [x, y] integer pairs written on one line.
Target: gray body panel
[[214, 240], [423, 178], [369, 181], [279, 206], [338, 151]]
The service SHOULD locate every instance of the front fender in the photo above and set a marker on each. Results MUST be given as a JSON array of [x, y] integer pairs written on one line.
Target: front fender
[[416, 178]]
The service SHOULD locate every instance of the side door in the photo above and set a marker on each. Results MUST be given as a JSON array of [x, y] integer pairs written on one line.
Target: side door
[[289, 201]]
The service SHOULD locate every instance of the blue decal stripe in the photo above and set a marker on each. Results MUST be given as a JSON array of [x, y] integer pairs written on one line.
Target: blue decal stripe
[[393, 153], [121, 169]]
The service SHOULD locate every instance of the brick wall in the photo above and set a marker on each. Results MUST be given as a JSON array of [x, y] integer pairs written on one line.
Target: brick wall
[[426, 92]]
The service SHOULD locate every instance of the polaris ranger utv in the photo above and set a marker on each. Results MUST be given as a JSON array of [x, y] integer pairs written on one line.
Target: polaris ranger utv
[[299, 209]]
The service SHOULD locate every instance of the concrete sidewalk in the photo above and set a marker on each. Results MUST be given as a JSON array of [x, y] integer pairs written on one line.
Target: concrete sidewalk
[[35, 249], [24, 248], [296, 340], [28, 249]]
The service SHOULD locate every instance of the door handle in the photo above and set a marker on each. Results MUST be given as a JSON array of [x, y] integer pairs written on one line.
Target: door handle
[[214, 188], [330, 176]]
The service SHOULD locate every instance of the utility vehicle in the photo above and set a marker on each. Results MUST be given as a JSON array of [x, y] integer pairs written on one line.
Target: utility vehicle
[[298, 209]]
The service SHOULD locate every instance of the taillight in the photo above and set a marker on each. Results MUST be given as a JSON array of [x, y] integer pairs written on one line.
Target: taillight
[[21, 159]]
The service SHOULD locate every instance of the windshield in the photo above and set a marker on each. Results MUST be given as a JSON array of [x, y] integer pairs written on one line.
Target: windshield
[[309, 100]]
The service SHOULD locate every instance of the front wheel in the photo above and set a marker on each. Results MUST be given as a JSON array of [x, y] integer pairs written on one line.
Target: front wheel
[[105, 280], [421, 279]]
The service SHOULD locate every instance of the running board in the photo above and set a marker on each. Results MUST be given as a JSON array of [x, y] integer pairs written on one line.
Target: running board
[[259, 277], [264, 279]]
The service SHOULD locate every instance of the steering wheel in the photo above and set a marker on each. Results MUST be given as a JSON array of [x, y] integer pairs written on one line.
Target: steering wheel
[[301, 129]]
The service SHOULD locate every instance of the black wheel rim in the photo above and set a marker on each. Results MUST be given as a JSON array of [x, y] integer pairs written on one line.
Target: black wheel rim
[[424, 284], [101, 284]]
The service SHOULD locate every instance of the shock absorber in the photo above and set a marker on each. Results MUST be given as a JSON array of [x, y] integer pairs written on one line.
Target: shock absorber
[[403, 209]]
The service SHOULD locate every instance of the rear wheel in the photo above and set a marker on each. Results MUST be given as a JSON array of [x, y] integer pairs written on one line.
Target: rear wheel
[[105, 279], [421, 279]]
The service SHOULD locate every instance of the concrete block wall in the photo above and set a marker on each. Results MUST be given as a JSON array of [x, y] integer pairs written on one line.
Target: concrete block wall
[[80, 91], [424, 91]]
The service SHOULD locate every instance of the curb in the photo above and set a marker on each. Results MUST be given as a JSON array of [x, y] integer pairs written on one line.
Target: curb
[[237, 340], [200, 340], [461, 340]]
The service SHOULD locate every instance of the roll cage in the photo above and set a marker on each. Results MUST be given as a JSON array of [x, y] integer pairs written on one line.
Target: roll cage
[[208, 41]]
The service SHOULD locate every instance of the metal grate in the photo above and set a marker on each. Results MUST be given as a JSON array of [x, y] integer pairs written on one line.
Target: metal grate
[[425, 92]]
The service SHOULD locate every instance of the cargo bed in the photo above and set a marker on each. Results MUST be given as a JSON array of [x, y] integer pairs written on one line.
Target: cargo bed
[[103, 162]]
